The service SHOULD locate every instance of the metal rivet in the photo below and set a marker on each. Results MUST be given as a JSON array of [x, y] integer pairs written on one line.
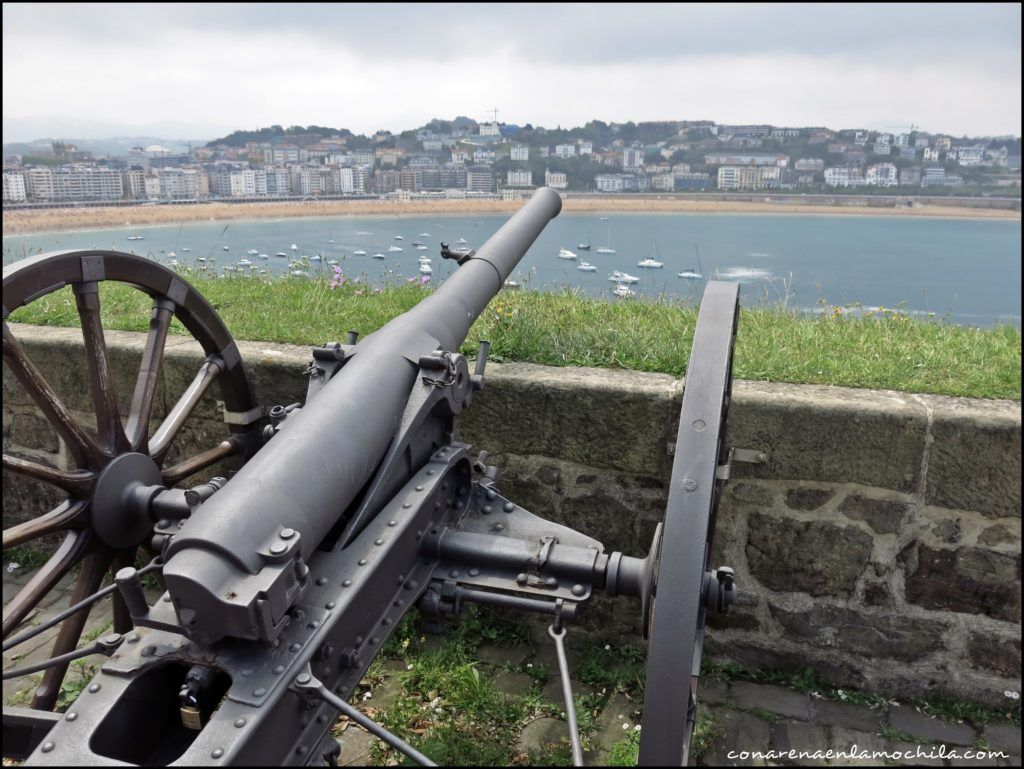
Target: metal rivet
[[321, 719], [398, 602], [71, 716], [689, 484], [278, 670], [498, 527], [359, 640], [374, 641], [491, 494], [412, 584], [278, 547], [486, 510], [699, 425], [303, 678], [217, 753], [386, 621], [48, 746], [294, 647], [321, 580], [347, 583], [167, 598], [474, 572], [578, 590], [329, 605], [392, 523], [379, 542], [362, 562], [521, 578], [407, 505], [302, 750], [94, 688], [259, 692], [239, 723], [313, 625], [163, 523], [287, 533], [454, 573], [246, 672], [551, 582], [419, 488], [509, 507], [430, 472]]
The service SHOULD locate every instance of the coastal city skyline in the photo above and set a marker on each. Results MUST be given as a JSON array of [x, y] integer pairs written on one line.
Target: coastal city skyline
[[955, 69]]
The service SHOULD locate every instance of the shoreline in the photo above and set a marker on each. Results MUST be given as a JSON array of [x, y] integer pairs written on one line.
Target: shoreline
[[34, 221]]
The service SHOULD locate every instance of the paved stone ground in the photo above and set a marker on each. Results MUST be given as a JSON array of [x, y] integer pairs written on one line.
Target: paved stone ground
[[745, 717]]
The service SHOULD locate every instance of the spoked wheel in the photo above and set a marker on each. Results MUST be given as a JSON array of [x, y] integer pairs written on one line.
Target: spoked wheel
[[687, 589], [99, 532]]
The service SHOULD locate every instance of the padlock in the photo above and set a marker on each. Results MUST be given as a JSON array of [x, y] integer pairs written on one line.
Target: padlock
[[191, 718]]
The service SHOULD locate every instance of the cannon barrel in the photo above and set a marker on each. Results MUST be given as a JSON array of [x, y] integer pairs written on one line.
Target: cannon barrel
[[239, 563]]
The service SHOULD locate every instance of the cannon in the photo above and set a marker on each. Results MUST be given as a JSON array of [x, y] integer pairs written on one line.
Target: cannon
[[285, 576]]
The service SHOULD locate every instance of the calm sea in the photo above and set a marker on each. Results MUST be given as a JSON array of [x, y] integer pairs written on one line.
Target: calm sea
[[967, 271]]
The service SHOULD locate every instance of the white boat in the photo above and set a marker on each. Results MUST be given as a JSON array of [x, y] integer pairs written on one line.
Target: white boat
[[607, 247], [293, 247], [200, 258], [423, 259], [281, 253], [585, 245], [421, 247], [417, 243], [332, 262], [363, 232], [461, 240], [565, 253], [174, 263], [587, 267], [225, 248], [315, 258], [424, 234], [648, 262], [252, 252], [359, 252], [244, 263], [136, 237], [185, 250], [622, 289], [426, 269], [394, 248], [691, 274], [511, 284], [379, 256], [264, 256], [623, 277], [171, 253], [399, 237], [299, 274]]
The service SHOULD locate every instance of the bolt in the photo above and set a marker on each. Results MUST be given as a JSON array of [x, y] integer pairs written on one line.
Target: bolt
[[392, 523], [407, 505], [321, 581], [287, 533], [167, 598], [71, 716], [303, 678], [379, 542], [329, 605], [217, 753], [259, 692], [278, 670], [278, 547], [362, 562], [491, 494], [419, 488], [474, 572], [551, 582], [48, 746], [430, 472], [239, 723], [246, 672], [454, 573], [94, 688], [498, 527], [486, 510], [689, 484], [294, 647], [578, 590], [302, 750], [163, 523], [509, 507], [347, 583], [521, 578]]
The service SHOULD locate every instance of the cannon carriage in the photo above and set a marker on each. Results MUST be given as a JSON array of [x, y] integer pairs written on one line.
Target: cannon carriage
[[284, 580]]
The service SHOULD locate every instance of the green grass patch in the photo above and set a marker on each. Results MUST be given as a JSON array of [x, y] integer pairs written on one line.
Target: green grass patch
[[887, 349]]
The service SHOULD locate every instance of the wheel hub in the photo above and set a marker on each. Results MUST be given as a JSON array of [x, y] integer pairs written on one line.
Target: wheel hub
[[119, 513]]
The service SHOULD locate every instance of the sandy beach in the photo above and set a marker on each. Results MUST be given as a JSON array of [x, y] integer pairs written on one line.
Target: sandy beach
[[64, 219]]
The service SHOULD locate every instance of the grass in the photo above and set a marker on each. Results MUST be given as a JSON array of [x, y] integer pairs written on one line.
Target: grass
[[886, 349]]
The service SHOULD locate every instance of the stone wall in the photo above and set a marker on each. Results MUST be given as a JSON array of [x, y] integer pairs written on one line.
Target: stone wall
[[880, 543]]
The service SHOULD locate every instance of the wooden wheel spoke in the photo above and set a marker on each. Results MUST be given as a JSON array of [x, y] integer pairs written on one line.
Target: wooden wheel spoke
[[169, 428], [149, 374], [78, 483], [80, 444], [71, 550], [104, 399], [62, 517], [201, 461], [94, 567]]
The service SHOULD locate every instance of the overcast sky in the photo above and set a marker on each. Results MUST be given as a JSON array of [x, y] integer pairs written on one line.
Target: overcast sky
[[197, 71]]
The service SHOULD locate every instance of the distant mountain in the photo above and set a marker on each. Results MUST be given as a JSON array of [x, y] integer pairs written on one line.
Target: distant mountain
[[113, 147], [17, 129]]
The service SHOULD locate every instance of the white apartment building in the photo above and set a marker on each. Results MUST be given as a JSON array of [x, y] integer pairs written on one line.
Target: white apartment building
[[809, 164], [520, 152], [943, 143], [881, 175], [39, 184], [483, 155], [179, 183], [519, 178], [363, 158], [632, 158], [586, 148], [609, 182], [152, 187], [749, 177], [352, 180], [479, 179], [490, 129], [14, 188], [931, 153], [970, 156], [277, 181], [459, 157], [433, 145], [663, 182], [565, 150], [304, 180], [555, 179], [903, 140], [87, 183], [287, 153], [844, 176], [882, 148], [920, 142]]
